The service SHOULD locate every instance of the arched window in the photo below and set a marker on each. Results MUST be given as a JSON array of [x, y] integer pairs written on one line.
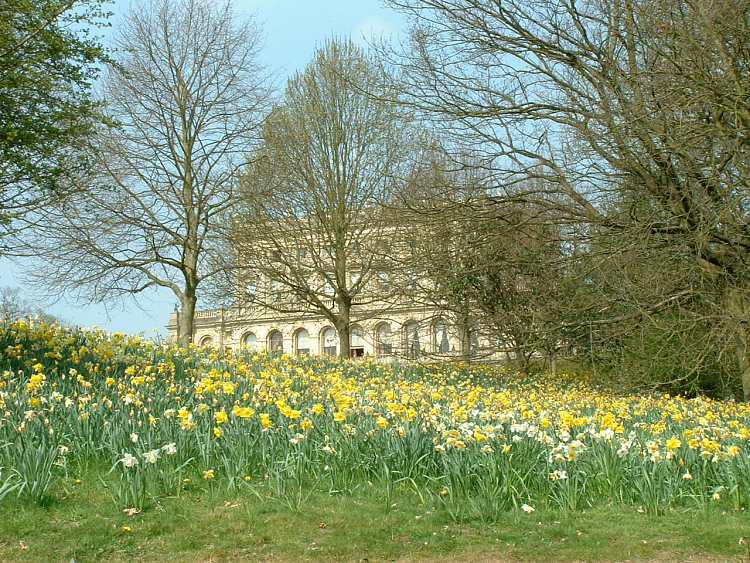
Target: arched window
[[412, 346], [357, 342], [302, 342], [329, 341], [501, 342], [275, 342], [206, 341], [442, 344], [383, 339], [249, 340]]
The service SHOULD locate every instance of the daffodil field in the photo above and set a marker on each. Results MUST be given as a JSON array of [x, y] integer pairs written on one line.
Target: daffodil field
[[151, 420]]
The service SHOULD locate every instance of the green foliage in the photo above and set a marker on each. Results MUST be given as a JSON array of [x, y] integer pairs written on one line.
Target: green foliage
[[662, 355], [8, 484], [477, 440], [497, 267], [33, 463], [681, 343], [49, 60]]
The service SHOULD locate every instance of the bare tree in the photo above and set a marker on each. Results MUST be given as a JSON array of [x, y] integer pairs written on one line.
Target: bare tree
[[494, 266], [313, 237], [607, 101], [13, 306], [187, 94]]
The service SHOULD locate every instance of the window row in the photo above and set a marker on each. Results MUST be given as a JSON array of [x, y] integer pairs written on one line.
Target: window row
[[280, 292], [411, 339]]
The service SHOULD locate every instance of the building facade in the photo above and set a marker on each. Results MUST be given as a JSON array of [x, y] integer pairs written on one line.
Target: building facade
[[404, 331], [392, 314]]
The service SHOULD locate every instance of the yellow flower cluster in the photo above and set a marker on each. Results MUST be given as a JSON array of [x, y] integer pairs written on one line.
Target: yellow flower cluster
[[90, 385]]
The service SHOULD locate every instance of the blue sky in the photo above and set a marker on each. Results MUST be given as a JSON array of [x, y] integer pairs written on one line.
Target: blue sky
[[292, 29]]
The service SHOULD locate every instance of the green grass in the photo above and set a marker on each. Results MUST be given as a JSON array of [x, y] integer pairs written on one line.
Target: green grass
[[85, 525]]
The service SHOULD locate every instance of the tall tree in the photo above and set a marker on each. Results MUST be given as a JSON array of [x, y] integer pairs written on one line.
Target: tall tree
[[187, 93], [313, 236], [602, 100], [49, 60], [494, 266]]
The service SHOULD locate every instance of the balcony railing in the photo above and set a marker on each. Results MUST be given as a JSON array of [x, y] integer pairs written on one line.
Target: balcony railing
[[240, 312], [208, 314]]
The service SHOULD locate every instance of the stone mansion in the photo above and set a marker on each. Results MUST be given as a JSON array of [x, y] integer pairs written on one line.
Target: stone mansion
[[392, 315], [405, 330]]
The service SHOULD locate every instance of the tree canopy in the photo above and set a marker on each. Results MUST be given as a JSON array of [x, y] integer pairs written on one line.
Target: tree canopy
[[49, 61]]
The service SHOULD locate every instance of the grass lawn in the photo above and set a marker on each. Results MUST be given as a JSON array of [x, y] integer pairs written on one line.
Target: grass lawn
[[209, 526]]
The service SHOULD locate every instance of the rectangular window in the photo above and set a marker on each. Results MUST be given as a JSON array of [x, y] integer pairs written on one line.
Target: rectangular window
[[413, 284], [251, 288], [276, 291]]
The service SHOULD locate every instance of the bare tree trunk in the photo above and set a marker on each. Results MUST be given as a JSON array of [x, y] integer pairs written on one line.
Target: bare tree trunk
[[343, 327], [743, 363], [465, 332], [552, 361], [466, 345], [737, 311], [522, 361], [186, 322]]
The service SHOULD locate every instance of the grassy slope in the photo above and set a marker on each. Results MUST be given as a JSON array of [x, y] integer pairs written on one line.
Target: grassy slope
[[202, 526]]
